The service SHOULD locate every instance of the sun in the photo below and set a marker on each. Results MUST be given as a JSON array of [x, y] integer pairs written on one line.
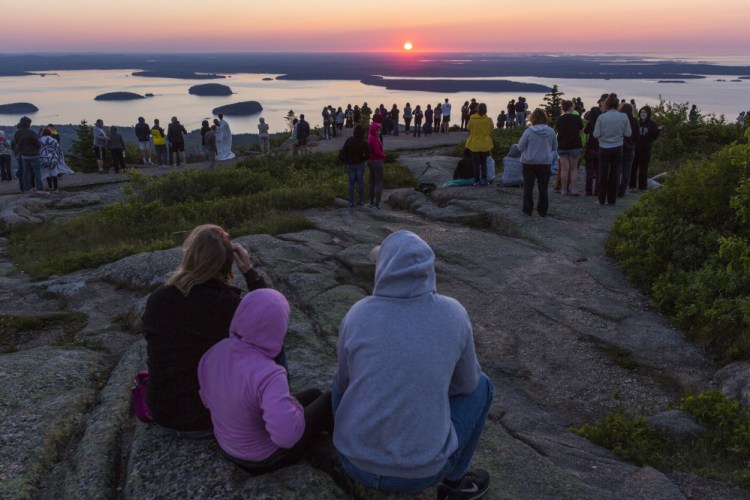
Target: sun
[[408, 46]]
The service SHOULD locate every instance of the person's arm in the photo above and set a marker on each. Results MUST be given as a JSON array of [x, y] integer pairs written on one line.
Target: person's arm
[[598, 127], [628, 131], [283, 415], [341, 378], [523, 141], [245, 265], [466, 373]]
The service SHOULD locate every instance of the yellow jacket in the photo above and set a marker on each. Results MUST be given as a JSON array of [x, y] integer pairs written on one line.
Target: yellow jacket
[[480, 133]]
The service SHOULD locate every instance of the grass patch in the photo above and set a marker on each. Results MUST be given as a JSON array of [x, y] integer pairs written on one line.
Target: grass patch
[[260, 195], [16, 329], [722, 452]]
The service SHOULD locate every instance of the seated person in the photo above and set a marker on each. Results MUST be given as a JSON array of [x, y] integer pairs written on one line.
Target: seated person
[[184, 318], [409, 397], [465, 167], [257, 423], [512, 168]]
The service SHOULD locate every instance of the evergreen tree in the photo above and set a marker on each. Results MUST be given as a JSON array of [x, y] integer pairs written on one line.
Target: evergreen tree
[[290, 116], [553, 104], [81, 157]]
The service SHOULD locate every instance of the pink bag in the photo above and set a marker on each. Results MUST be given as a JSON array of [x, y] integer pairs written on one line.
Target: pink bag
[[138, 393]]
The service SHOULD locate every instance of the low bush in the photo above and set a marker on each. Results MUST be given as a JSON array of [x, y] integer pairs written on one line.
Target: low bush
[[688, 245], [721, 452], [259, 196]]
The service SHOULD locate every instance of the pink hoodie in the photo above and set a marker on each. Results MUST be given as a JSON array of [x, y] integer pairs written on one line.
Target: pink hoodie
[[246, 391], [376, 147]]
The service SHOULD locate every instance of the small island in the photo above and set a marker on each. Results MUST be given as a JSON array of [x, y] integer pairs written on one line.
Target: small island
[[671, 81], [17, 108], [448, 86], [267, 79], [243, 108], [180, 75], [118, 96], [210, 89]]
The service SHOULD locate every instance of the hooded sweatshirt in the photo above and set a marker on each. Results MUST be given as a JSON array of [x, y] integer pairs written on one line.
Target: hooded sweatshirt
[[480, 137], [402, 353], [376, 147], [611, 128], [536, 145], [247, 392], [648, 130]]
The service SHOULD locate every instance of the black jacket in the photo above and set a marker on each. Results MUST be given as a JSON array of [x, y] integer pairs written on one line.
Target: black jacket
[[178, 331], [175, 131], [26, 143], [356, 151], [142, 131]]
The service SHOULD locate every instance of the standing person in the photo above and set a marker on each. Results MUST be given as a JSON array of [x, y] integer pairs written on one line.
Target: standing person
[[52, 160], [611, 128], [160, 144], [376, 165], [446, 116], [693, 115], [520, 112], [326, 123], [100, 143], [176, 136], [223, 140], [263, 136], [409, 408], [418, 121], [407, 117], [26, 145], [569, 127], [258, 424], [464, 116], [349, 117], [592, 152], [143, 134], [366, 112], [5, 154], [53, 132], [480, 143], [356, 153], [395, 118], [648, 132], [628, 150], [428, 120], [211, 146], [184, 317], [536, 145], [303, 133], [438, 114], [339, 122], [473, 106], [511, 113], [117, 149], [205, 127]]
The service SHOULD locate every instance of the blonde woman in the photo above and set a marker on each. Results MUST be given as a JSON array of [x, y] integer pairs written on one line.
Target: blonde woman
[[184, 318]]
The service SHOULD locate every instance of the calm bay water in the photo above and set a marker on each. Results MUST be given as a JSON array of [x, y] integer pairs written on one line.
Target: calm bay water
[[68, 97]]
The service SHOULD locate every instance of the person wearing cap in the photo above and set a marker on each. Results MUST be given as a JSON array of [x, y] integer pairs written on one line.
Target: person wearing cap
[[143, 134], [100, 144], [27, 145]]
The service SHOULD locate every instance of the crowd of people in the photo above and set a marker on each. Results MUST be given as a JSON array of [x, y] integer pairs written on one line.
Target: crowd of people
[[404, 412]]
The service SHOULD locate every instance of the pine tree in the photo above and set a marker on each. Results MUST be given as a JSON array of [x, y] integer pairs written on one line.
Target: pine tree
[[553, 104], [290, 116], [81, 157]]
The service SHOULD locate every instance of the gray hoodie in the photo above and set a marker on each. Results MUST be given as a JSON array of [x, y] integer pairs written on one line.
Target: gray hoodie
[[611, 128], [402, 352], [537, 144]]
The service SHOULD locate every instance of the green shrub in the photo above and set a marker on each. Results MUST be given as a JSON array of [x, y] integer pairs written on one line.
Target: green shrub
[[688, 245], [257, 197], [721, 452]]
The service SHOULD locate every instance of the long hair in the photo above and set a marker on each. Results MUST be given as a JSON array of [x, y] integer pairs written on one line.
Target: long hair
[[207, 255], [538, 117]]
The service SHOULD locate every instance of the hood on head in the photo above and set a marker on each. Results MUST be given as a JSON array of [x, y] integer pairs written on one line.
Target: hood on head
[[262, 120], [261, 320], [374, 127], [405, 267], [647, 109], [542, 130]]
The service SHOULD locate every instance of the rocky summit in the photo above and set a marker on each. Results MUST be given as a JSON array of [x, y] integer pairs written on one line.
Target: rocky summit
[[558, 329]]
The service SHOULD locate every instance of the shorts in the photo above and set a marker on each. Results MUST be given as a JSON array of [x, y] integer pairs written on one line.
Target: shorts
[[573, 153], [178, 146], [447, 119], [99, 152], [144, 145]]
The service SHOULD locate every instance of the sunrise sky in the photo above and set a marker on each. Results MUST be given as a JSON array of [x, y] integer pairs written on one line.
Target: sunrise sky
[[383, 25]]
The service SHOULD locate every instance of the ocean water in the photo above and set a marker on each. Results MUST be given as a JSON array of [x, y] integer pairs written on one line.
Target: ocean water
[[68, 96]]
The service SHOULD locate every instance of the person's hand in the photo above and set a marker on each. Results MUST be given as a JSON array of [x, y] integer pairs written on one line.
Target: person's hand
[[241, 258]]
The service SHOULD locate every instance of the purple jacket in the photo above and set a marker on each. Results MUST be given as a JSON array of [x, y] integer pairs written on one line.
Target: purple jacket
[[247, 392]]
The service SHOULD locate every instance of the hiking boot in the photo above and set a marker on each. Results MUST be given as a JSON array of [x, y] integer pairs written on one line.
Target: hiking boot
[[473, 485]]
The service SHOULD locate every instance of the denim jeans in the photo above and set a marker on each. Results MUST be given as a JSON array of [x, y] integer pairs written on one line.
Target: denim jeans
[[31, 163], [468, 414], [394, 124], [535, 174], [356, 176], [610, 162], [639, 172], [480, 165], [376, 181], [628, 153]]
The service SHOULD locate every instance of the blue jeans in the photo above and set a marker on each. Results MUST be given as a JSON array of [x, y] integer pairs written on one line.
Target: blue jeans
[[468, 414], [31, 163], [356, 175], [394, 124]]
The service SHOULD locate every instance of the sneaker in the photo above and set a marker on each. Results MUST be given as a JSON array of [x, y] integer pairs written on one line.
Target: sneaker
[[477, 183], [556, 190], [473, 485]]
